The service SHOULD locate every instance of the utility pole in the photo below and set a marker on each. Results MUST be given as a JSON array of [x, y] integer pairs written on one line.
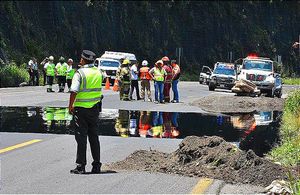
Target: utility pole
[[179, 54]]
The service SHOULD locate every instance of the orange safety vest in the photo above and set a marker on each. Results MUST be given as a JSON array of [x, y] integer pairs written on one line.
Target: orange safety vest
[[144, 73]]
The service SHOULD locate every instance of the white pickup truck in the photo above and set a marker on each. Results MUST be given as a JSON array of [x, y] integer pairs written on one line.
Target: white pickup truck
[[261, 71]]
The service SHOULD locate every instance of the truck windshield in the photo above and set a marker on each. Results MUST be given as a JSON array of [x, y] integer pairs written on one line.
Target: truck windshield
[[258, 65], [109, 63], [225, 71]]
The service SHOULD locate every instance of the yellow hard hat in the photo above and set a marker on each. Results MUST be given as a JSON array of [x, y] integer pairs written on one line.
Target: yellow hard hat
[[125, 62]]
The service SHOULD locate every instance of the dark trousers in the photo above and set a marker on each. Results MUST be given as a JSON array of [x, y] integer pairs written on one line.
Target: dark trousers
[[50, 80], [61, 80], [86, 125], [69, 83], [44, 75], [36, 77], [30, 72], [135, 84]]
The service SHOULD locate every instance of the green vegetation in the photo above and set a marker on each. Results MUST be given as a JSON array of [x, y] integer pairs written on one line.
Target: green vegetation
[[11, 75], [291, 81], [288, 153]]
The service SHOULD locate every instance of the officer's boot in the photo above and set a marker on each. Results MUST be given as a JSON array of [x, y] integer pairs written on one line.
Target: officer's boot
[[80, 169]]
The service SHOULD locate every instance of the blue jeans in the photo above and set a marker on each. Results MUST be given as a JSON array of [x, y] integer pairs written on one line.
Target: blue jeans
[[175, 89], [159, 88]]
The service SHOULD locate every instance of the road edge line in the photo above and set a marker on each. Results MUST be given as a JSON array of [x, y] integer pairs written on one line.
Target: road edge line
[[7, 149], [202, 186]]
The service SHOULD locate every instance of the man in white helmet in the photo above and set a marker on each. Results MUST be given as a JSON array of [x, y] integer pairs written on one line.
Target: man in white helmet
[[50, 72], [145, 80]]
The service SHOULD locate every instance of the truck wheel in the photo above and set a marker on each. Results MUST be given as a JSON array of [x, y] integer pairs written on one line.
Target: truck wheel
[[279, 94], [211, 87], [200, 82]]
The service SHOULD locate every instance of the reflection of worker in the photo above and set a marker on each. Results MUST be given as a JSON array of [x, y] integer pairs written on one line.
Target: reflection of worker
[[85, 96], [133, 123], [174, 126], [144, 123], [167, 124], [122, 123], [157, 125]]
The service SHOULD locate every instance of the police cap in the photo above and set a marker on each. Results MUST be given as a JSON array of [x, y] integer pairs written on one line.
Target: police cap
[[88, 55]]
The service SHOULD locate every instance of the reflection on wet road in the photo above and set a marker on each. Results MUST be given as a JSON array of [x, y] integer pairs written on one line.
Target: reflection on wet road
[[256, 131]]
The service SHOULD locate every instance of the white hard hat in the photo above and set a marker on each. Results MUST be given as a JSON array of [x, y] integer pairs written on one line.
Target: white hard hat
[[51, 58], [144, 62], [70, 60]]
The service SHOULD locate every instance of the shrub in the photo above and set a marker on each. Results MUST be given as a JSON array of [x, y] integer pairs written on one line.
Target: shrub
[[11, 75]]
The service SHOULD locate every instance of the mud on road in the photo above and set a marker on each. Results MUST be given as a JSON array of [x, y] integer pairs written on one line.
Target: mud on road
[[238, 104], [210, 157]]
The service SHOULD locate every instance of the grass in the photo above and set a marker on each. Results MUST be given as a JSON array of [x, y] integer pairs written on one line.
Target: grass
[[291, 81], [12, 75], [288, 152]]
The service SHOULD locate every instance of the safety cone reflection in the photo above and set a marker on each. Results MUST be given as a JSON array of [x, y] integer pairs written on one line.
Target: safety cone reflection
[[107, 84], [116, 86]]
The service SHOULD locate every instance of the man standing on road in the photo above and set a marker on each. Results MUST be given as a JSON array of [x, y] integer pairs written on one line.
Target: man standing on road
[[158, 74], [134, 82], [145, 80], [84, 104], [61, 72], [50, 72], [70, 73], [175, 79], [44, 72], [124, 77], [168, 79]]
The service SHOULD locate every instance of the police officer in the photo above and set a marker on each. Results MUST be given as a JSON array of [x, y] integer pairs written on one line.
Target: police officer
[[61, 73], [84, 99]]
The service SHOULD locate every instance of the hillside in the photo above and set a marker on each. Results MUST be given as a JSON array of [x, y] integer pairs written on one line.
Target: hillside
[[206, 30]]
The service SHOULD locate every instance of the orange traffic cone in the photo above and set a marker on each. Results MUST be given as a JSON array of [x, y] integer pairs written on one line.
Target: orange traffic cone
[[116, 85], [107, 84]]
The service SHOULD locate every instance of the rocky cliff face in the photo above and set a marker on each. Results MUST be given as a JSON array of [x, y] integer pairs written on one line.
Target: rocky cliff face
[[206, 30]]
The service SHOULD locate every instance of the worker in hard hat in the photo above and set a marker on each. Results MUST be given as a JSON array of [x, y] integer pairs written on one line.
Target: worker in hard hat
[[124, 77], [61, 73], [158, 74], [168, 79], [70, 73], [145, 81], [49, 68], [175, 80], [45, 60]]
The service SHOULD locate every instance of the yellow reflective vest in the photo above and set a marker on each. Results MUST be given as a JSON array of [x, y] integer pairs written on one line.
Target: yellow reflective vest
[[89, 93]]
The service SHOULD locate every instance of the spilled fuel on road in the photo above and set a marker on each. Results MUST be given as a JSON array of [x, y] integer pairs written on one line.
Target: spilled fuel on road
[[258, 131]]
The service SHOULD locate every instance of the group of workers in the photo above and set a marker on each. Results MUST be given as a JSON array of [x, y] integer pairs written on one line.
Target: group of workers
[[63, 71], [165, 75]]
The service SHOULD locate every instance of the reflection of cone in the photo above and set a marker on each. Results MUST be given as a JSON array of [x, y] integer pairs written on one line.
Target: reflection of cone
[[107, 84], [116, 86]]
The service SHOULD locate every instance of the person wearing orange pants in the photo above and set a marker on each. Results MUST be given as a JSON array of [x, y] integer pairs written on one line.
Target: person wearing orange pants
[[168, 80]]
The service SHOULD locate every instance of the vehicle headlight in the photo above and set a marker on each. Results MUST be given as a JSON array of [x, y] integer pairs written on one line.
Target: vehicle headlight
[[270, 79]]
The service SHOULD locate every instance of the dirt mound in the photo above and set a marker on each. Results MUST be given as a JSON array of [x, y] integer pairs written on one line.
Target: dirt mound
[[211, 157], [234, 104]]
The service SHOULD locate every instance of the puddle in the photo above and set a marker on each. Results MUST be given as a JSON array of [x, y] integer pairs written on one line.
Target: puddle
[[256, 131]]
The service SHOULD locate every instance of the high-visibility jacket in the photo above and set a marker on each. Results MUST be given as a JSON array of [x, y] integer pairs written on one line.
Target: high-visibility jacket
[[159, 74], [144, 73], [61, 69], [70, 72], [89, 93], [50, 70]]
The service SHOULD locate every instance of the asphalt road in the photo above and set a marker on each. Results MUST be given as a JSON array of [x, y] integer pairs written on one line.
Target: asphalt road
[[43, 167]]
